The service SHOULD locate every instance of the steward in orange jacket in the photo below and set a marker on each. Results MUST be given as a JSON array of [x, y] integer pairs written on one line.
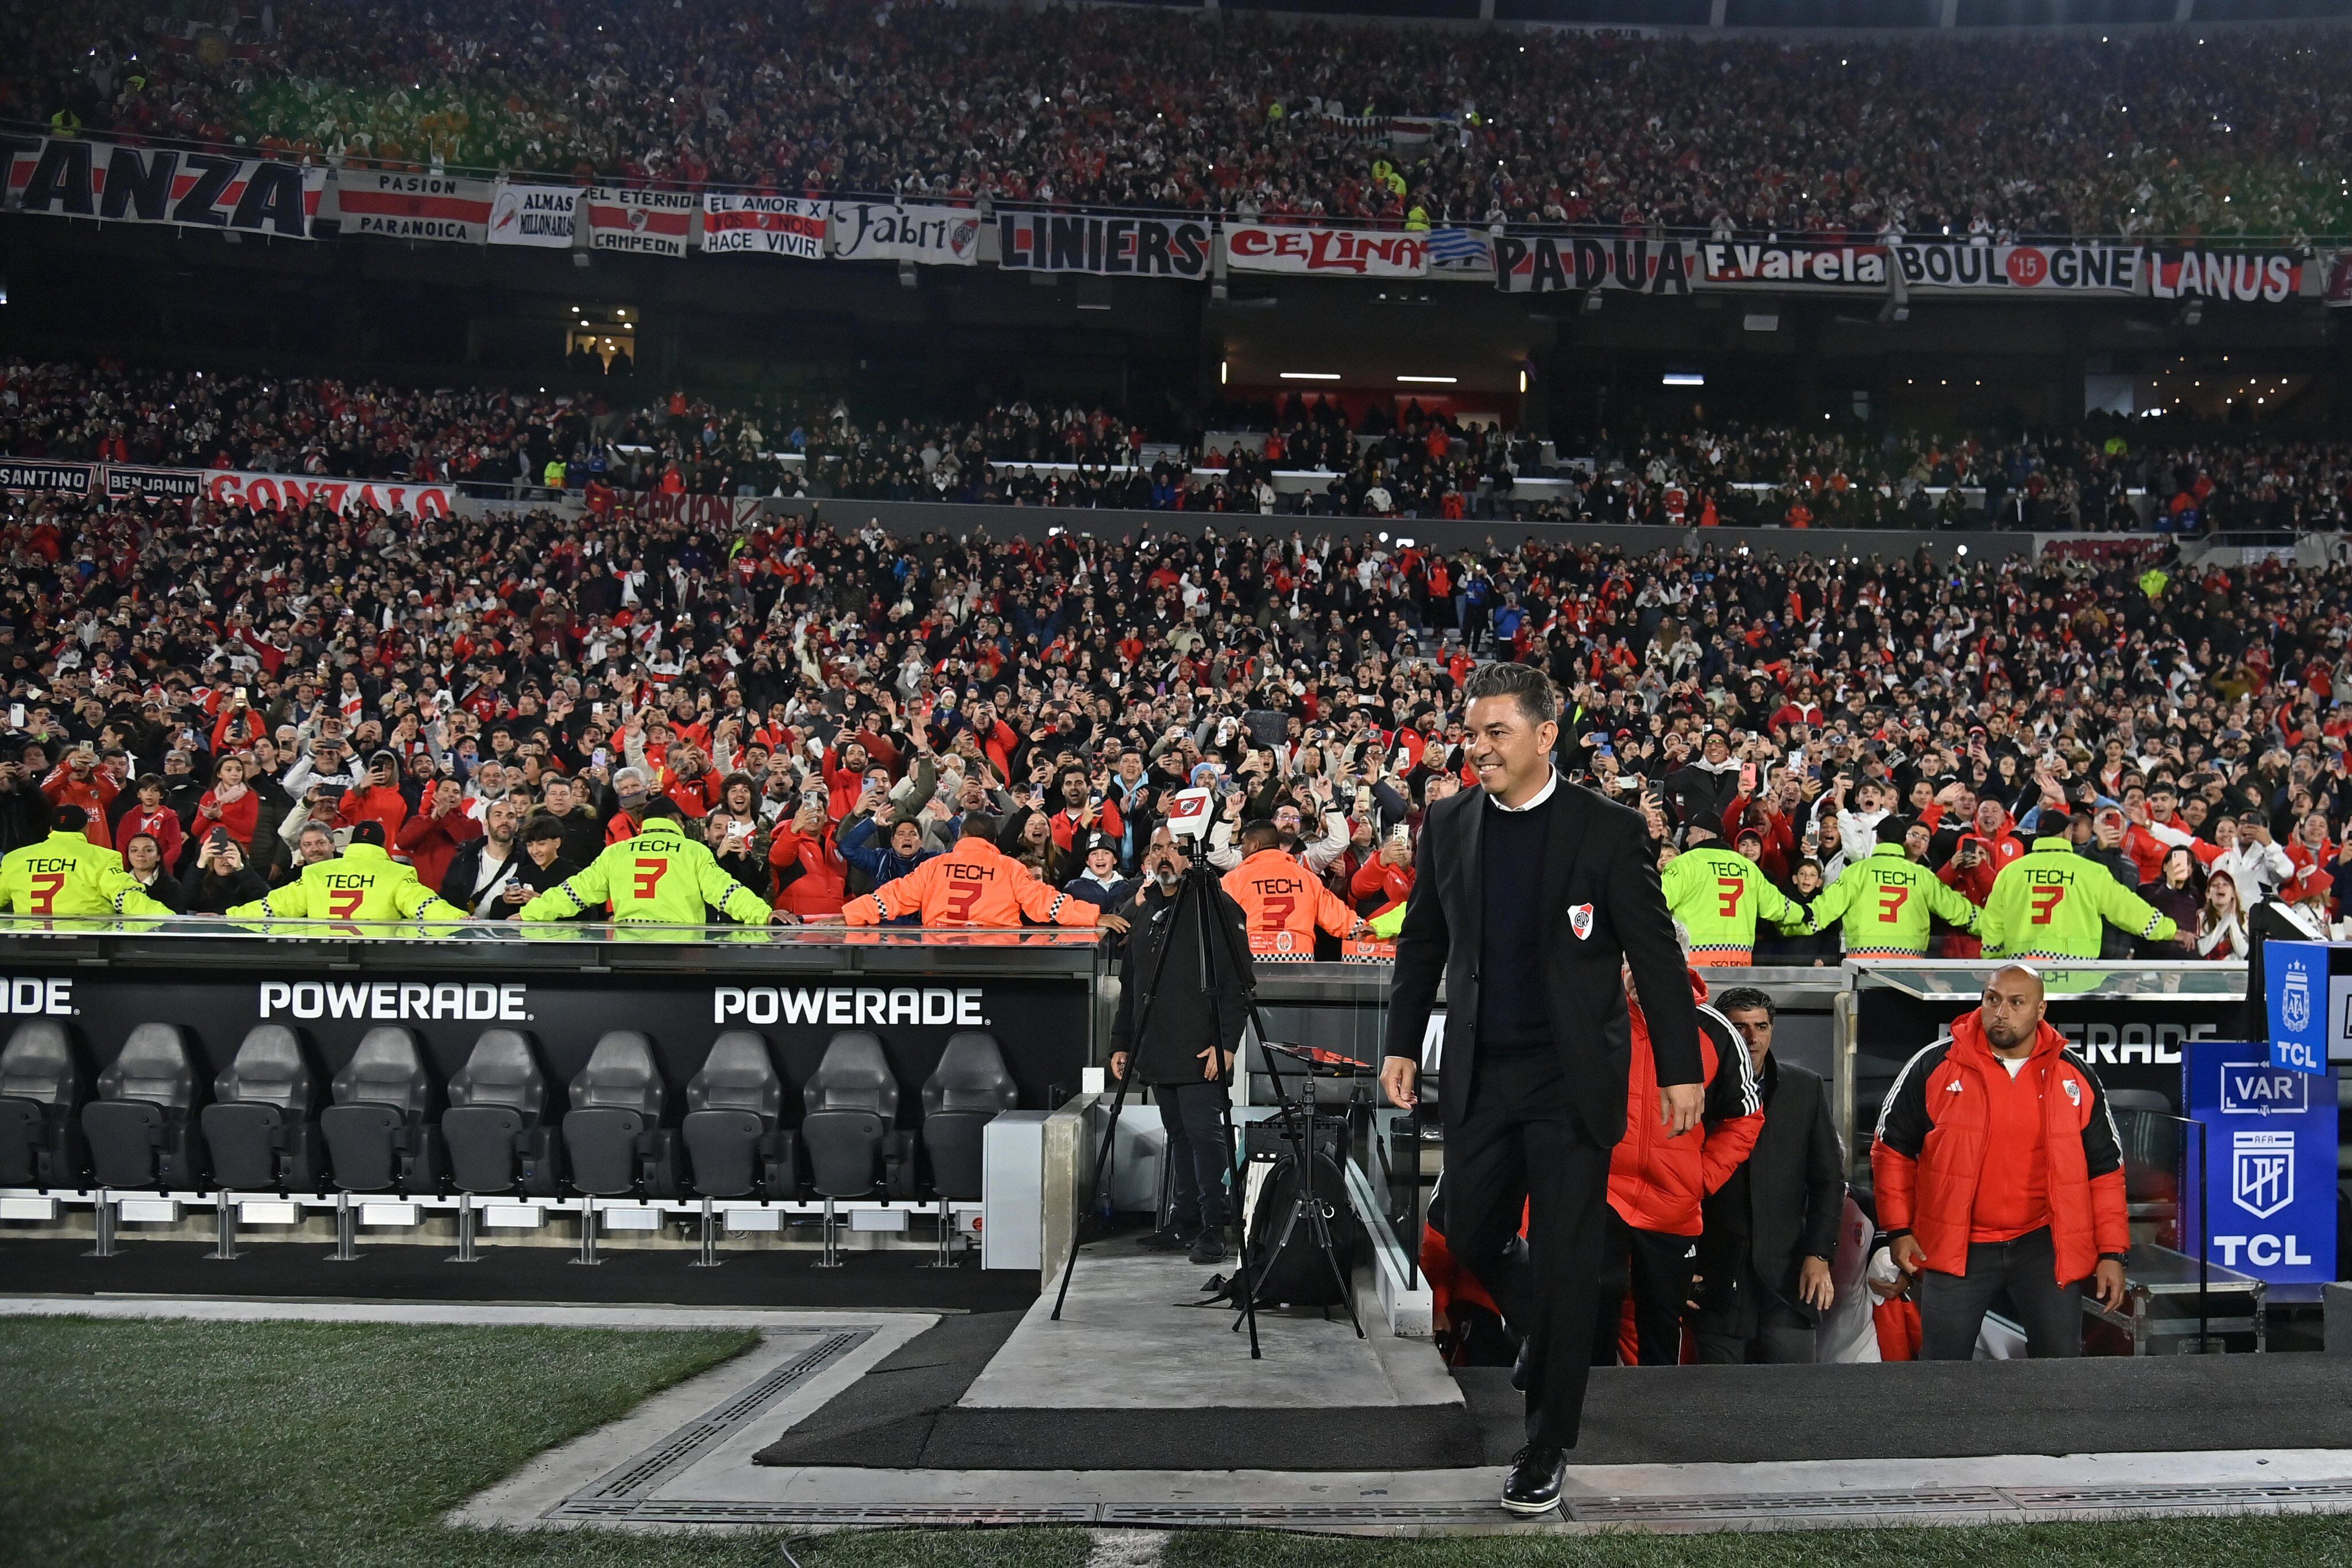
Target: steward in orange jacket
[[1283, 903], [975, 883]]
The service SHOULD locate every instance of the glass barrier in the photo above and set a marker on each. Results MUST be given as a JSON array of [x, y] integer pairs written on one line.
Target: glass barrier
[[2178, 1299], [553, 933]]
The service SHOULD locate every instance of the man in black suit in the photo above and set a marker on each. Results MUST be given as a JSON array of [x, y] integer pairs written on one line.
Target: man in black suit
[[1771, 1229], [1531, 898]]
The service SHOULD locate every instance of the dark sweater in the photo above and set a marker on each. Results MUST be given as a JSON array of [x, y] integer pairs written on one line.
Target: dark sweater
[[1514, 1013]]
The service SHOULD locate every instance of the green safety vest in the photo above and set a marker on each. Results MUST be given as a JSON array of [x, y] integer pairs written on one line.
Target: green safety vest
[[2051, 902], [1719, 895], [363, 882], [658, 877], [64, 874], [1886, 901]]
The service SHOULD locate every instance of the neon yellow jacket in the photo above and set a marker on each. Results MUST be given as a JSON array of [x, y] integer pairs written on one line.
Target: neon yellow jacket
[[363, 882], [661, 877], [1886, 899], [2051, 902], [64, 874], [1718, 894]]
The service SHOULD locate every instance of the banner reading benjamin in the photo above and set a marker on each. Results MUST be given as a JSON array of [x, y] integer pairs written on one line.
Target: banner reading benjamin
[[646, 223], [414, 206], [935, 235], [768, 225], [1088, 242], [541, 215], [67, 178]]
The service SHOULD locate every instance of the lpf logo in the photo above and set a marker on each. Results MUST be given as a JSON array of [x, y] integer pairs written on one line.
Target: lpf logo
[[2261, 1172]]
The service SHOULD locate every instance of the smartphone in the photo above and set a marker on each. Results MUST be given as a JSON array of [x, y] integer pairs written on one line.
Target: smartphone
[[16, 715], [244, 696], [595, 710], [600, 756]]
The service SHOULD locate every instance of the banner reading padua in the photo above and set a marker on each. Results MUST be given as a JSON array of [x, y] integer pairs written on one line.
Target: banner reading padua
[[767, 225], [68, 178], [645, 222], [1326, 252], [541, 215], [414, 206], [1089, 242], [1540, 264], [278, 492], [935, 235]]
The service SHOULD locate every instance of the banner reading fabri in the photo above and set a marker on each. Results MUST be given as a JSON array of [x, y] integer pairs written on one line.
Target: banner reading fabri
[[769, 226], [414, 206], [1088, 242], [875, 231], [68, 178], [646, 223], [1326, 252]]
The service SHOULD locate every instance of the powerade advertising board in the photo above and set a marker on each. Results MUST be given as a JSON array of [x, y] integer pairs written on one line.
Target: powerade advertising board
[[2270, 1137]]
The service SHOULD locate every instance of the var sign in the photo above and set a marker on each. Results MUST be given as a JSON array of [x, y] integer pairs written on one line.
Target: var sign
[[2270, 1142]]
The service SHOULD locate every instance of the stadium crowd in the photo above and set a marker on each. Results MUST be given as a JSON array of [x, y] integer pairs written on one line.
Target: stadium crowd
[[2230, 132], [598, 446], [223, 695]]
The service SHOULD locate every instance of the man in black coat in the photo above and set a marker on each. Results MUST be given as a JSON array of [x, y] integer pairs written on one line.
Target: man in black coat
[[1771, 1229], [1531, 897], [1184, 1030]]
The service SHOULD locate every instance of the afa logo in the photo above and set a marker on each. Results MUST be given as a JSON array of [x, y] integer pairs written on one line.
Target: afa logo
[[2295, 998]]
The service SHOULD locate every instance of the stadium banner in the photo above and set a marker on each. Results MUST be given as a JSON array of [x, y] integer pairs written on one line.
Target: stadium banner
[[18, 475], [1466, 255], [642, 222], [2269, 278], [695, 511], [1546, 263], [2338, 292], [766, 226], [69, 178], [2053, 270], [541, 215], [877, 231], [1326, 252], [414, 206], [155, 484], [276, 491], [1091, 242]]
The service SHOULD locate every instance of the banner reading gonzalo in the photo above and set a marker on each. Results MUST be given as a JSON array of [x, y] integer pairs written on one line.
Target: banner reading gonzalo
[[1091, 242]]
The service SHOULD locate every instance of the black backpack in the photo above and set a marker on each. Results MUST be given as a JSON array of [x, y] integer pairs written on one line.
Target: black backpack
[[1291, 1272]]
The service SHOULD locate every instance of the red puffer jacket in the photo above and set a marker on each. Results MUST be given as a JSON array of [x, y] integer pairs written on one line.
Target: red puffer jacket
[[1655, 1182], [1932, 1152]]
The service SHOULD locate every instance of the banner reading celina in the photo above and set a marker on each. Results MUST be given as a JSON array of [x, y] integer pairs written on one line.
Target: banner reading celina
[[769, 226], [414, 206], [2247, 277], [1091, 242], [936, 236], [69, 178], [276, 491], [1326, 252], [648, 222], [541, 215]]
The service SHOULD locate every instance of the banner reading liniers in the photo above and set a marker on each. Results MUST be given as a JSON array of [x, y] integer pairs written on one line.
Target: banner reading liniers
[[67, 178], [414, 206], [936, 236], [276, 491], [648, 223], [1087, 242], [1326, 253], [2246, 277], [768, 225]]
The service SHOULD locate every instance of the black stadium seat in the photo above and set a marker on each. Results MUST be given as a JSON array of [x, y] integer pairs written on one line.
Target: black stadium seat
[[733, 1146], [262, 1126], [613, 1141], [41, 1091], [852, 1108], [497, 1130], [380, 1135], [142, 1127], [968, 1090]]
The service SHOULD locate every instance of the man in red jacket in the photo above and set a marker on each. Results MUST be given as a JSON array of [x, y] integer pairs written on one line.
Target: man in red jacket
[[1997, 1166], [1657, 1181]]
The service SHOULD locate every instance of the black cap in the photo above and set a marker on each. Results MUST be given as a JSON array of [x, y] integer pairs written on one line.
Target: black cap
[[368, 831]]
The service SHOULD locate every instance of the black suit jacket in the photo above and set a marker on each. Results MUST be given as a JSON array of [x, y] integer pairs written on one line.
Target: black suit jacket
[[1597, 856], [1782, 1206]]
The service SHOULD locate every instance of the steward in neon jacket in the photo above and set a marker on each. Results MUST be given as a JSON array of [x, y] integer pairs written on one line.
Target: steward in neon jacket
[[1935, 1183], [657, 876], [66, 874], [1886, 901], [363, 882], [1657, 1183], [2052, 903], [1718, 894], [975, 883]]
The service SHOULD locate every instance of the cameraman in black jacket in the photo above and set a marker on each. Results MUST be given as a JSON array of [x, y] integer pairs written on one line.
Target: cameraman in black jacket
[[1184, 1027]]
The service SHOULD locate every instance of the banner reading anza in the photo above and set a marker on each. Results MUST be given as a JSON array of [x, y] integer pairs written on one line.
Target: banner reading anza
[[68, 178], [771, 225], [1089, 242]]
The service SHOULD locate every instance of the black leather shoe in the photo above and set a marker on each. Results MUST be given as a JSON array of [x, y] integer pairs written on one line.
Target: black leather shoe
[[1537, 1474], [1170, 1241], [1208, 1247]]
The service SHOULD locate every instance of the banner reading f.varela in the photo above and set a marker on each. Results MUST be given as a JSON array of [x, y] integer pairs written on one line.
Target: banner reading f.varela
[[878, 231], [1092, 242], [769, 226], [541, 215], [68, 178], [648, 223], [414, 206]]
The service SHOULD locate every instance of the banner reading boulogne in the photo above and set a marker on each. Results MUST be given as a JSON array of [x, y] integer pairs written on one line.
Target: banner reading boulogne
[[645, 222], [767, 225], [414, 206], [276, 491], [877, 231], [69, 178], [541, 215], [1326, 252], [1090, 241]]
